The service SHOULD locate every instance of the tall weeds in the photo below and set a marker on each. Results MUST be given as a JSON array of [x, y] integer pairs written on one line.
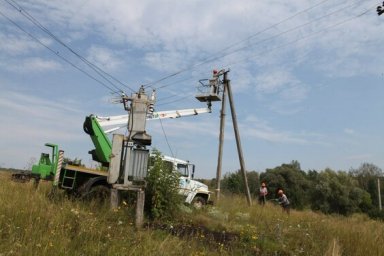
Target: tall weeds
[[34, 223]]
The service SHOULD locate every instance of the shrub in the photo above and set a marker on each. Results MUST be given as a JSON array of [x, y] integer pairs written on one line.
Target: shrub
[[162, 197]]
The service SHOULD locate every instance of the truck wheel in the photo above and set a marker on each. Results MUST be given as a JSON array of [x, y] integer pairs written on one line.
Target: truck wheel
[[198, 202], [99, 193]]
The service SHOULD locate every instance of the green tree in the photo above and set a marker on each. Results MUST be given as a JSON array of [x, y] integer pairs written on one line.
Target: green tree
[[234, 182], [367, 175], [291, 179], [337, 192]]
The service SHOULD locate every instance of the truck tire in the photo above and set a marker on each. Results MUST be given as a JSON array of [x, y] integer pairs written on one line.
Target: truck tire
[[198, 202], [95, 189], [99, 193]]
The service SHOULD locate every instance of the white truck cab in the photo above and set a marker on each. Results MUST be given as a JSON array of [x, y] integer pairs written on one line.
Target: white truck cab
[[195, 192]]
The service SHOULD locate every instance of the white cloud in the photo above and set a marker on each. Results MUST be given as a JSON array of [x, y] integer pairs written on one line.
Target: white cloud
[[261, 129], [273, 81], [361, 157], [272, 72], [12, 44], [173, 34], [30, 106], [165, 61], [39, 64], [104, 58], [17, 51], [281, 90], [30, 121], [24, 65], [349, 131]]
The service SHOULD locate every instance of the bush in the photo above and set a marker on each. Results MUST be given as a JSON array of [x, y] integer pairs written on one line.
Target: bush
[[162, 198], [376, 214]]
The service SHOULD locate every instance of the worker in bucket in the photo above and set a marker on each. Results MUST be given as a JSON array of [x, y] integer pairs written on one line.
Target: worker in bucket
[[263, 192], [283, 201]]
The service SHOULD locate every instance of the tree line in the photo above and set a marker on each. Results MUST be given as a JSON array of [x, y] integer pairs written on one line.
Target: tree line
[[327, 191]]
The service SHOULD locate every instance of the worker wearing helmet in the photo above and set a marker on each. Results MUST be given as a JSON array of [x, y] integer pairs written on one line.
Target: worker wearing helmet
[[283, 201], [263, 192]]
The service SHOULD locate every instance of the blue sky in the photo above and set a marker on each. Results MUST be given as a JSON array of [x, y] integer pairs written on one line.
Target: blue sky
[[307, 78]]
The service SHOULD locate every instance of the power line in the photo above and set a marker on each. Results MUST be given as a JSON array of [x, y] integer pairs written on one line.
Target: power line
[[235, 44], [166, 138], [214, 57], [44, 29], [95, 68], [285, 32], [305, 37], [271, 38], [173, 101], [270, 27], [57, 53]]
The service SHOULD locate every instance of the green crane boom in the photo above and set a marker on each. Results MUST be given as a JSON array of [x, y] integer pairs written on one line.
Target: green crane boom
[[103, 146]]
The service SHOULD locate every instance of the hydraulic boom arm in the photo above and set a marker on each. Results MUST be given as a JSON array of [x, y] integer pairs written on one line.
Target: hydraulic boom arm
[[94, 127], [123, 119]]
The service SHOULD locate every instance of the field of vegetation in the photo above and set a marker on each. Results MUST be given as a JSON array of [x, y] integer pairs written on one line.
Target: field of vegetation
[[34, 223]]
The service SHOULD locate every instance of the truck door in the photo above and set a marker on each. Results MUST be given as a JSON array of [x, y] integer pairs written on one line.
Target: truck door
[[185, 184]]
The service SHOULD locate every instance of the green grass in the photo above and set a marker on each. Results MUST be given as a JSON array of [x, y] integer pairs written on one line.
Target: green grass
[[33, 224]]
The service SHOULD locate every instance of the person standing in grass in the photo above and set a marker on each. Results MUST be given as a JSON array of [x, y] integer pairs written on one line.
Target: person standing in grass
[[283, 201], [263, 192]]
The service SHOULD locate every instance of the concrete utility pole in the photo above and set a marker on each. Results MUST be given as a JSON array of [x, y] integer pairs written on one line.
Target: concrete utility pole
[[227, 83], [378, 192], [213, 95], [227, 88], [221, 143]]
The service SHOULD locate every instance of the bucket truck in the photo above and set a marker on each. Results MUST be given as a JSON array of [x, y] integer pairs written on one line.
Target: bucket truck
[[124, 154], [87, 182]]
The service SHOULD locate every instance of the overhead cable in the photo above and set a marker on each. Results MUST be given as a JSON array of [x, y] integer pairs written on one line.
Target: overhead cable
[[302, 38], [95, 68], [57, 54], [166, 138], [214, 57], [271, 38]]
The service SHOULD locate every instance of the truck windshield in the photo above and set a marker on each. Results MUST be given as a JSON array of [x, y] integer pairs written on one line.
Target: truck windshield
[[183, 169]]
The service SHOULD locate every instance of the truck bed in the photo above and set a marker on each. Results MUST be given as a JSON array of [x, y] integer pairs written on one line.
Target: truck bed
[[85, 170]]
